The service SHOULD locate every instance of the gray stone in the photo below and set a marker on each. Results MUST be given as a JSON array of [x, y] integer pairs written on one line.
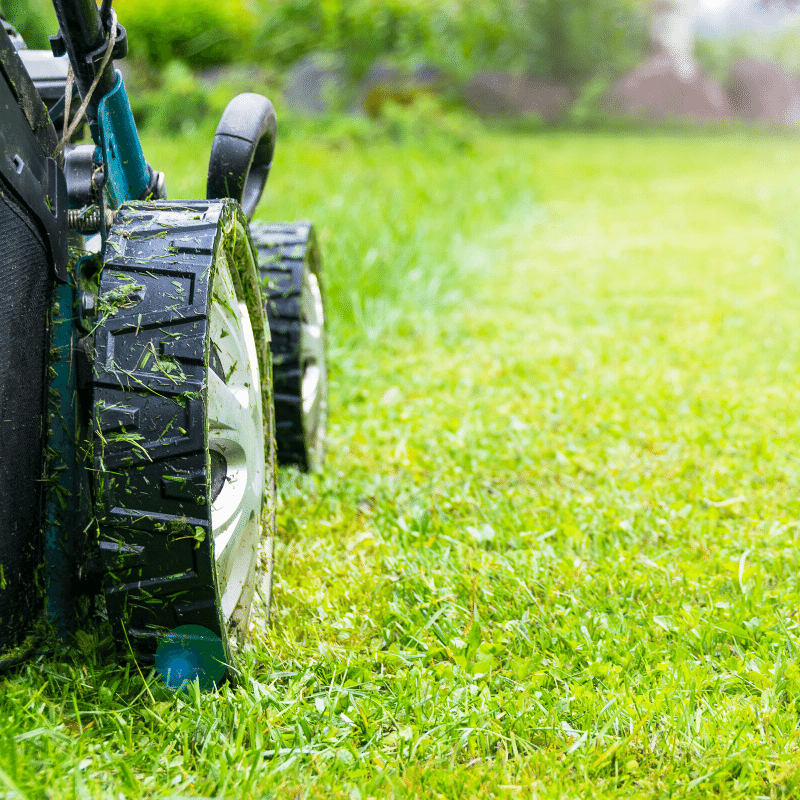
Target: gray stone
[[764, 91], [495, 94], [315, 84], [431, 76], [659, 89]]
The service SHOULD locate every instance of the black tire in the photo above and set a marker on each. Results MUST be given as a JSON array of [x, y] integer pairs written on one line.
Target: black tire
[[291, 275], [169, 401]]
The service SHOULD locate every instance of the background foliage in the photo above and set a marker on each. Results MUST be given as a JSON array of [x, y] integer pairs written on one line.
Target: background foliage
[[202, 32], [717, 55], [35, 19], [569, 40], [583, 43]]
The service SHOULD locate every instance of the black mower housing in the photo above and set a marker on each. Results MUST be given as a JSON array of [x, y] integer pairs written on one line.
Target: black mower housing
[[33, 232]]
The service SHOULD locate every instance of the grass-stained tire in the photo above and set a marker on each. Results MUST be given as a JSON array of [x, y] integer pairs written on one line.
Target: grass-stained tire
[[184, 452], [292, 286]]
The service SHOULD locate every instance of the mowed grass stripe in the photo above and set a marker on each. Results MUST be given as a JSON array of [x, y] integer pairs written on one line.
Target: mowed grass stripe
[[555, 550], [593, 463]]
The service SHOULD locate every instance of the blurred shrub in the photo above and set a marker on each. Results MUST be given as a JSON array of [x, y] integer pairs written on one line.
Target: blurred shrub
[[567, 40], [177, 106], [428, 122], [718, 55], [581, 39], [286, 31], [200, 32], [362, 30], [460, 35], [181, 104], [471, 35], [34, 19], [589, 108], [572, 41]]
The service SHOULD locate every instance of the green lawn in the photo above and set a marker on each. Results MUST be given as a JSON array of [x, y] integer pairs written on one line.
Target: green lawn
[[555, 550]]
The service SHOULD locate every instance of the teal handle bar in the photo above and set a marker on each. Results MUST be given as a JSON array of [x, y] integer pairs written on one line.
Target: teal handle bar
[[127, 173]]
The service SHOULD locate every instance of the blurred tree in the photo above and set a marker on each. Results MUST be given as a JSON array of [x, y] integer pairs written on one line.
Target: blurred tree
[[201, 32], [566, 40], [576, 40], [290, 29]]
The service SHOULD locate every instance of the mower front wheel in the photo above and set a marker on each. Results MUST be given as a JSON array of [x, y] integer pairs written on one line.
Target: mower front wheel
[[184, 446]]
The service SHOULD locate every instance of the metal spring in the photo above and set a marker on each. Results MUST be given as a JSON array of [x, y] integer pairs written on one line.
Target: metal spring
[[87, 220]]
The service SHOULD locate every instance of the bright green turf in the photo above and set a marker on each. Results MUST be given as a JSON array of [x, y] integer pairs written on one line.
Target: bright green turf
[[555, 550]]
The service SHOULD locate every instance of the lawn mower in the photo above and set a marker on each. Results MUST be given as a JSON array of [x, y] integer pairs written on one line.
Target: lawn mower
[[158, 359]]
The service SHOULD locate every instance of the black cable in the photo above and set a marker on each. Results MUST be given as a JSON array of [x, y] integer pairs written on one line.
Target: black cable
[[105, 13]]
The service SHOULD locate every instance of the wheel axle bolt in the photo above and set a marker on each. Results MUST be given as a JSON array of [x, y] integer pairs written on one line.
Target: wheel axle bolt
[[88, 303]]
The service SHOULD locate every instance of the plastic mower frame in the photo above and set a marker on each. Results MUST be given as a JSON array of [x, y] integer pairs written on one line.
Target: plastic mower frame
[[157, 358]]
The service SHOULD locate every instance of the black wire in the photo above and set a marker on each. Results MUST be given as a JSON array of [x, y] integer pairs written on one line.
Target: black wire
[[105, 13]]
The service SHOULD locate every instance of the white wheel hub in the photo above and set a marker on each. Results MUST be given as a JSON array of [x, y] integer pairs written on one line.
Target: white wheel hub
[[314, 366], [236, 440]]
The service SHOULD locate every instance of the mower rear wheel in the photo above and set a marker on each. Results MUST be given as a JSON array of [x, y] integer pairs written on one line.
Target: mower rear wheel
[[291, 275], [184, 431]]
